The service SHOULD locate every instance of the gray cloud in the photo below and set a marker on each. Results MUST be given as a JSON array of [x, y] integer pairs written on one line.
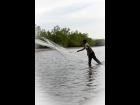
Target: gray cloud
[[68, 9]]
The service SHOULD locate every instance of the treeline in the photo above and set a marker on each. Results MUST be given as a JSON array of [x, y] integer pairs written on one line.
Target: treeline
[[65, 37], [99, 42]]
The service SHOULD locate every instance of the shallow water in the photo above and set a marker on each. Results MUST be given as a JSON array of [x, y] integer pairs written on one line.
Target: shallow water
[[66, 79]]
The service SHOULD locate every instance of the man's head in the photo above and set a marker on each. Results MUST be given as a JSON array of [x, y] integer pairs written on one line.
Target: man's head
[[84, 41]]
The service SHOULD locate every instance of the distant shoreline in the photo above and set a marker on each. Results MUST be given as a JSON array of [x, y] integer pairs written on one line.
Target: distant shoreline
[[48, 49], [66, 47]]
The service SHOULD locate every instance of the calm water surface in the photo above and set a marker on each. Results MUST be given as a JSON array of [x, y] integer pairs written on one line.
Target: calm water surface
[[66, 79]]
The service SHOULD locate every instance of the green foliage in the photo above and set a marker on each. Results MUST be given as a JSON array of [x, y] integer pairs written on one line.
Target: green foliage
[[65, 37], [100, 42]]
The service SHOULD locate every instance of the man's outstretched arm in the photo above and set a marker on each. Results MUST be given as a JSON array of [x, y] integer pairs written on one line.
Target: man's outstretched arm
[[81, 49]]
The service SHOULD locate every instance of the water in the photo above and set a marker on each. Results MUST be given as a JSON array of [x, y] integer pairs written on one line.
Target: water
[[67, 80]]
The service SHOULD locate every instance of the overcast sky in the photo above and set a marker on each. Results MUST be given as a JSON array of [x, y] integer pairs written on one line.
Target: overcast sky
[[86, 16]]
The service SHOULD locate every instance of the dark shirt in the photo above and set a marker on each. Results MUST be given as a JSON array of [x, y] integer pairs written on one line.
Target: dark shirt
[[88, 48]]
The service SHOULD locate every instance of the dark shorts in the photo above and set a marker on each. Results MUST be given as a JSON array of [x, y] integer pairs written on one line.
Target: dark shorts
[[91, 54]]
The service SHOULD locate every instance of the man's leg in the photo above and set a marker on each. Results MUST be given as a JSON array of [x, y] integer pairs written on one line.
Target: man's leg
[[89, 60], [94, 57]]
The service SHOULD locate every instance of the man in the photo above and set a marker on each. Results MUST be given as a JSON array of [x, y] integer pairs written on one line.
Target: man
[[90, 53]]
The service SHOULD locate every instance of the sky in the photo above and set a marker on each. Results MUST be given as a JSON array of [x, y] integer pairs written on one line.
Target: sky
[[87, 16]]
